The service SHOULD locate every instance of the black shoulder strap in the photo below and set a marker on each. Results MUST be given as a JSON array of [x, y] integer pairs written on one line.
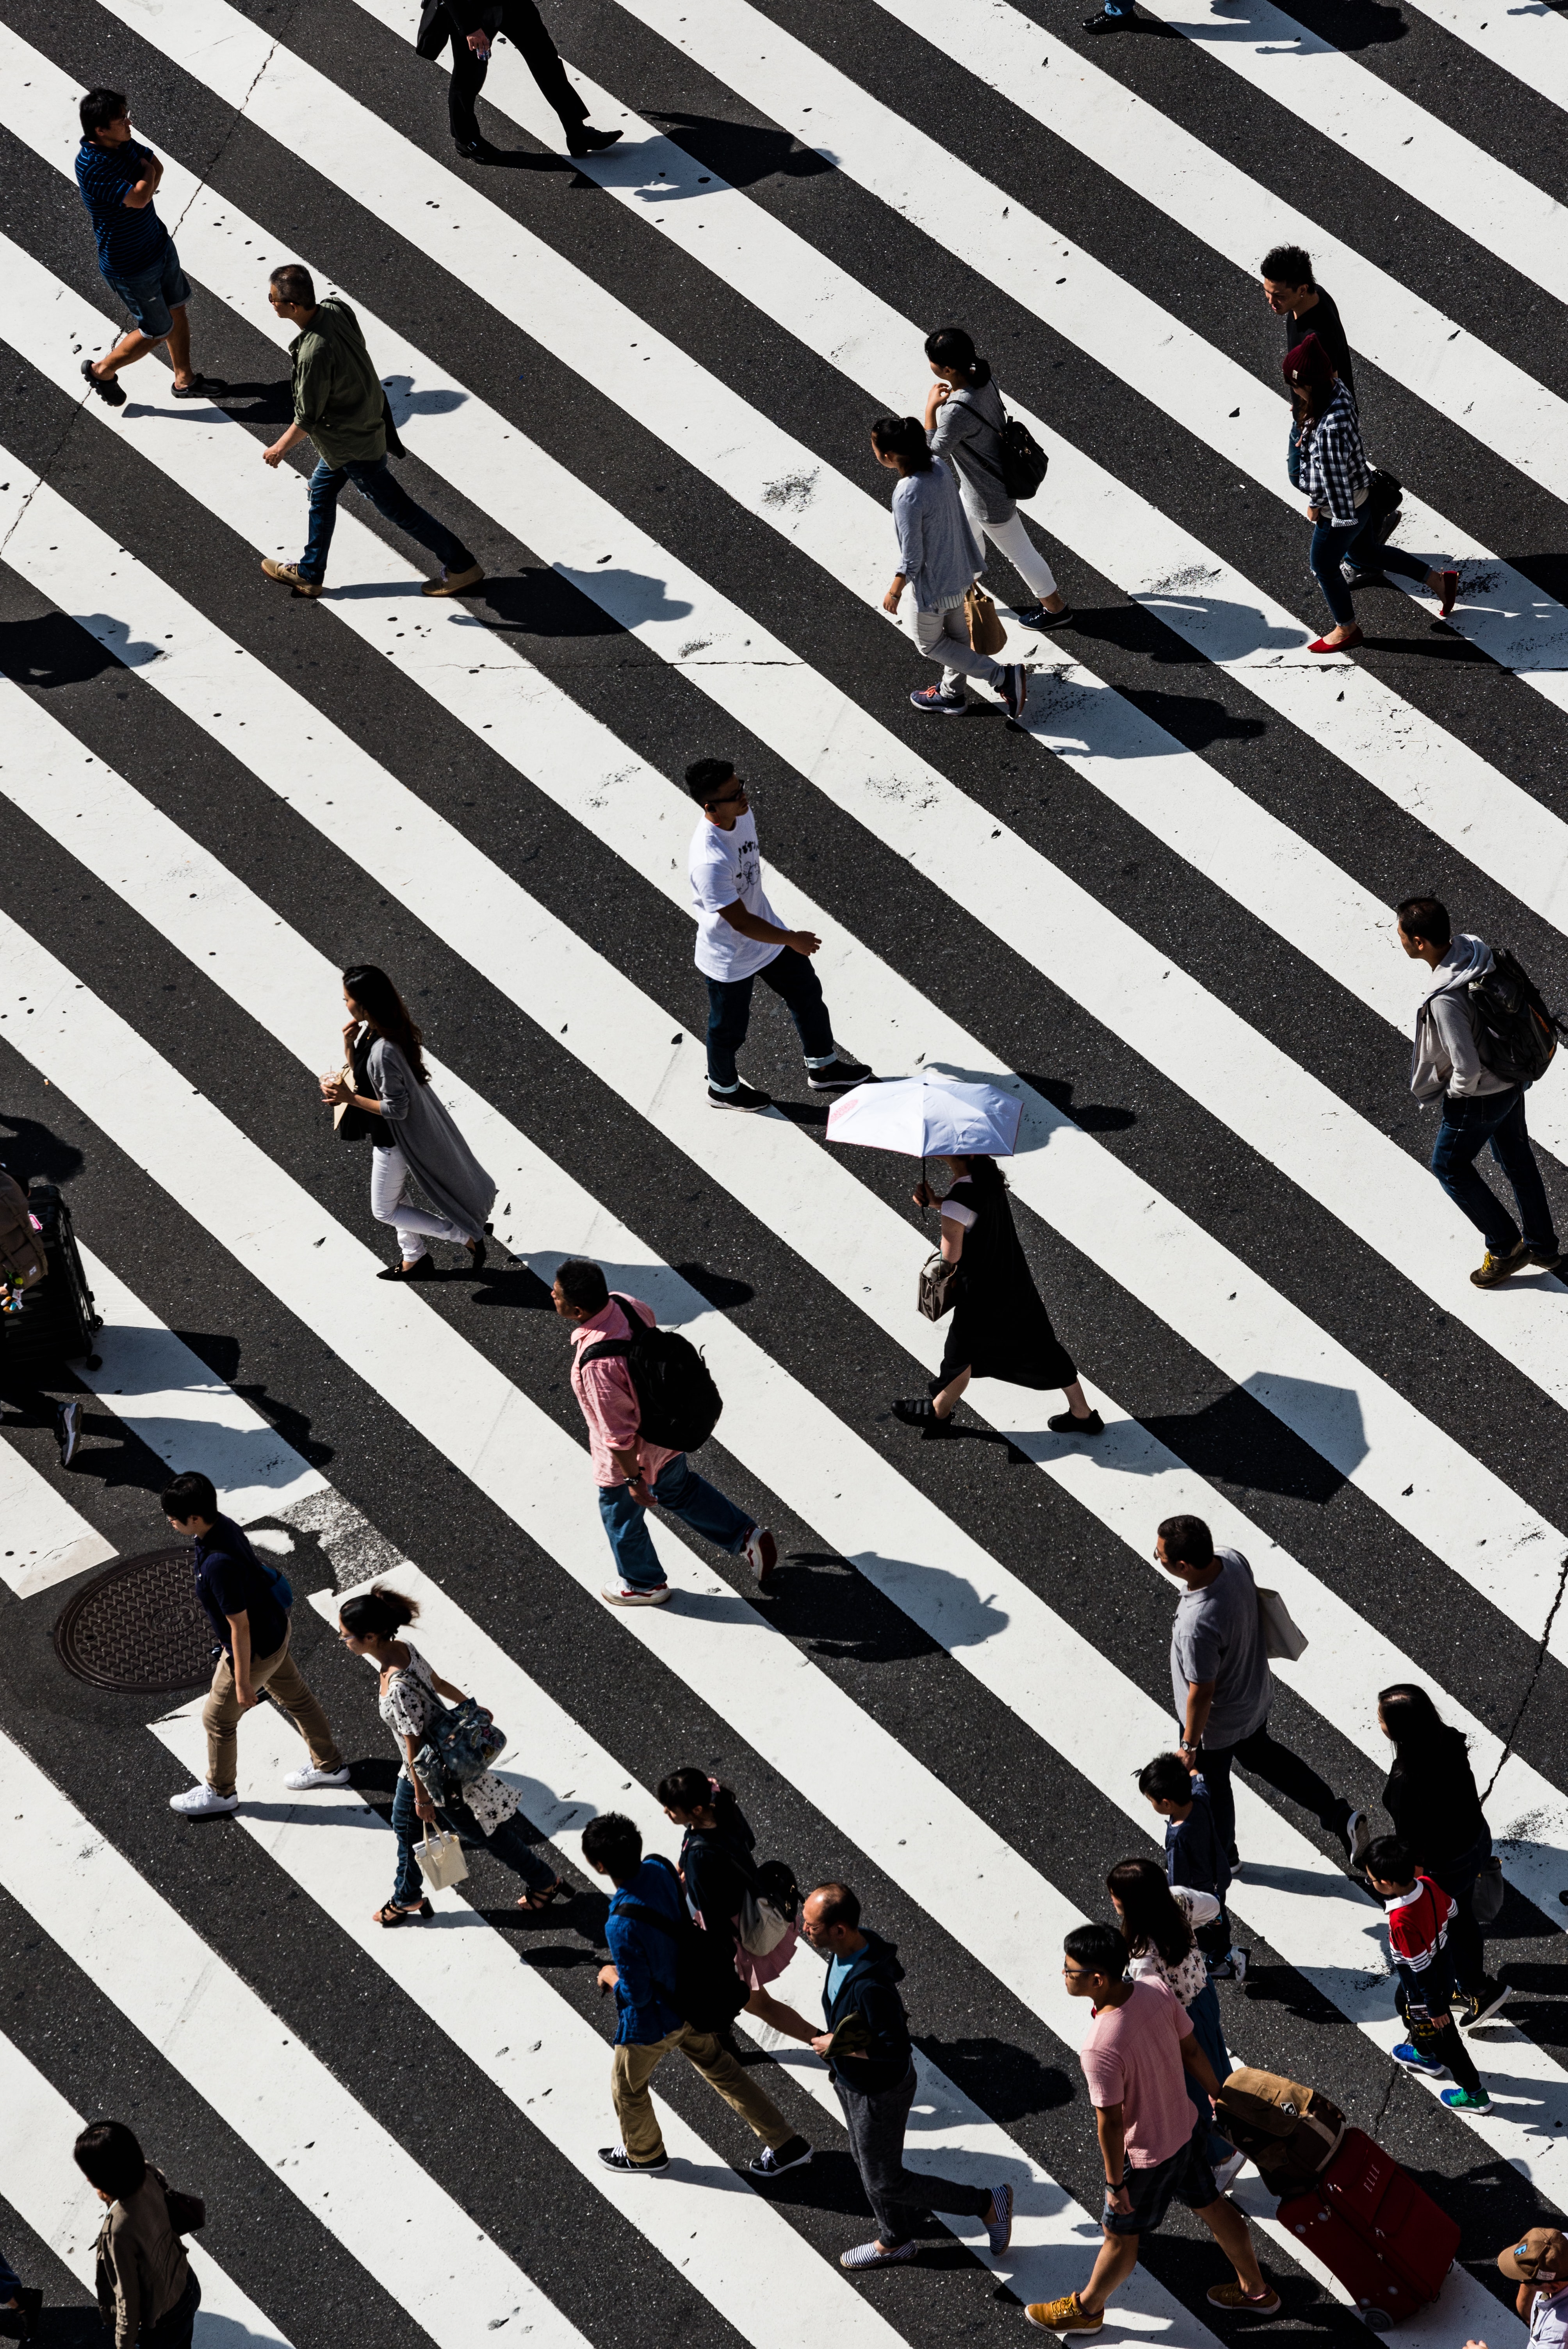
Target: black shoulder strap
[[616, 1349]]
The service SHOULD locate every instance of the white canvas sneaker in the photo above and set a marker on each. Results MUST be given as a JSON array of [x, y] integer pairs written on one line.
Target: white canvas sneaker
[[201, 1803]]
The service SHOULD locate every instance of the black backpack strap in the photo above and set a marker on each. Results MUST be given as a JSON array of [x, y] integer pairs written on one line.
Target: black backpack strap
[[615, 1349]]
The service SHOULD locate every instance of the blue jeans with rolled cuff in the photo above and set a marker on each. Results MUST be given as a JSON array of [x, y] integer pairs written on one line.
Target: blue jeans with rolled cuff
[[510, 1843], [1334, 542], [678, 1488], [798, 987], [373, 478], [1470, 1120]]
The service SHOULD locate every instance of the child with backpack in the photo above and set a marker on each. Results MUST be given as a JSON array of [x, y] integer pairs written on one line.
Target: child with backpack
[[1195, 1857], [1420, 1912]]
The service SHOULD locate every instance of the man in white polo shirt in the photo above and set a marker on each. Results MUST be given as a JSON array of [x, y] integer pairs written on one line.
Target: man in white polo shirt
[[739, 940]]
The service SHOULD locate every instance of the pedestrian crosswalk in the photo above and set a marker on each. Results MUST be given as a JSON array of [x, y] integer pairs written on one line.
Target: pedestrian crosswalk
[[642, 391]]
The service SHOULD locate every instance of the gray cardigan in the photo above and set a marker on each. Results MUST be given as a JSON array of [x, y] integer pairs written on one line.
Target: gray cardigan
[[423, 1129], [936, 550], [968, 433]]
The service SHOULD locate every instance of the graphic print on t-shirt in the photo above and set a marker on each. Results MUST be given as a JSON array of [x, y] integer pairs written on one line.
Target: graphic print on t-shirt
[[725, 867]]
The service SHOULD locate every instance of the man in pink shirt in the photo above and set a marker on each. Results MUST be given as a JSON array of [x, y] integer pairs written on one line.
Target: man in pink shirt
[[1139, 2041], [631, 1475]]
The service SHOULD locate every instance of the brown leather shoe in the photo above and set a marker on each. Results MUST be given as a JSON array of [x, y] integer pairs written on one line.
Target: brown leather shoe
[[287, 575], [455, 583]]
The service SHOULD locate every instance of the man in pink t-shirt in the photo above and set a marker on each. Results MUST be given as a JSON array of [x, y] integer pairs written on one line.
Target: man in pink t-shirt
[[1140, 2042], [632, 1473]]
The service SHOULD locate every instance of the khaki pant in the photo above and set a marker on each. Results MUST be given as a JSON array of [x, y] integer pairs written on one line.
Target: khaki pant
[[222, 1716], [634, 2066]]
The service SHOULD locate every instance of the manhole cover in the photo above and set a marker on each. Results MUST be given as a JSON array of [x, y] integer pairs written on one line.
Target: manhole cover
[[138, 1626]]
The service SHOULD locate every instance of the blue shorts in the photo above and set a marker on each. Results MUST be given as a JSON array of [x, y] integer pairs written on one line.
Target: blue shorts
[[153, 294], [1186, 2178]]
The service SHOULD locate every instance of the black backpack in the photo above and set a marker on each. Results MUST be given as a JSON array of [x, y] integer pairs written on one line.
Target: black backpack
[[677, 1402], [708, 1991], [1024, 462], [1515, 1034]]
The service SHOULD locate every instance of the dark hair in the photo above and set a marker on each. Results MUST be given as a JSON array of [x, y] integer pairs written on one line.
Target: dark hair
[[582, 1284], [704, 776], [1188, 1540], [985, 1174], [109, 2158], [612, 1842], [386, 1011], [1098, 1948], [839, 1905], [1419, 1732], [295, 284], [190, 1494], [1166, 1779], [1426, 918], [689, 1789], [1151, 1917], [1286, 264], [902, 437], [377, 1613], [1390, 1859], [952, 347], [100, 107]]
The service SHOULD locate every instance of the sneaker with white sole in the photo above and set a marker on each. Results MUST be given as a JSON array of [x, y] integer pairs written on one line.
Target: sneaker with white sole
[[741, 1096], [202, 1802], [761, 1554], [616, 2158], [300, 1782], [773, 2161], [1408, 2054], [934, 702], [621, 1594], [1227, 2172], [1232, 1967], [837, 1075], [999, 2220], [872, 2255]]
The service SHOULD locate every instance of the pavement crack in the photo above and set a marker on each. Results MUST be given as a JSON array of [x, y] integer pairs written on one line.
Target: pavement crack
[[1536, 1671]]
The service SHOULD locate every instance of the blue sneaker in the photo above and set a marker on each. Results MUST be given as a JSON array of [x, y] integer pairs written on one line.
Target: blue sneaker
[[999, 2220], [931, 697], [1414, 2061], [1468, 2100]]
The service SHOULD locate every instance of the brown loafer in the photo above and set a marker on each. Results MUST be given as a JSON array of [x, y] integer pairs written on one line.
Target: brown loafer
[[287, 575], [455, 583]]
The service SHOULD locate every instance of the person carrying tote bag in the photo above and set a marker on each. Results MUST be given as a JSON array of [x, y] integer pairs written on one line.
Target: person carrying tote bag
[[938, 563]]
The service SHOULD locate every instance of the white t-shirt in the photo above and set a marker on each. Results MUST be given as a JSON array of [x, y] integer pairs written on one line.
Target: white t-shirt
[[724, 866]]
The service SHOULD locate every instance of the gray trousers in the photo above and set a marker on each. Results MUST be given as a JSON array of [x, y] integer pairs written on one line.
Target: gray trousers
[[900, 2203]]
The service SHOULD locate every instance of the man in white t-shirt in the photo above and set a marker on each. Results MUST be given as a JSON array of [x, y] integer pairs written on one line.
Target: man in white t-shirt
[[741, 938]]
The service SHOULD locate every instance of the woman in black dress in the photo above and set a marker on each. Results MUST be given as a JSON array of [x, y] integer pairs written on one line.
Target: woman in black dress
[[1000, 1329]]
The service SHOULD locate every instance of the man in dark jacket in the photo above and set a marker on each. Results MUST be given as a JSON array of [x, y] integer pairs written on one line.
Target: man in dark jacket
[[472, 27], [866, 2047], [339, 404]]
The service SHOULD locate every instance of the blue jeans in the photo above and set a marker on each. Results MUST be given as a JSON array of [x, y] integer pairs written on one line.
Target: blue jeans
[[1336, 542], [1470, 1121], [687, 1495], [372, 477], [1209, 2031], [793, 980], [510, 1843], [152, 295], [10, 2282]]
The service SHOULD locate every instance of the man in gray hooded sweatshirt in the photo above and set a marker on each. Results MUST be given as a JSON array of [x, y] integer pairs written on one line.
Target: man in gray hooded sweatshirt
[[1479, 1107]]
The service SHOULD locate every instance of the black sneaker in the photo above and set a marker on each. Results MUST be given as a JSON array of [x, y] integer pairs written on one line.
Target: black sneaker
[[1478, 2007], [1546, 1259], [616, 2158], [474, 150], [1035, 615], [772, 2162], [837, 1076], [109, 389], [1066, 1423], [743, 1097]]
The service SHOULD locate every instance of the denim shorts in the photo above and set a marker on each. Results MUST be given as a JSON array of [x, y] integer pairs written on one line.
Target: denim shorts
[[152, 293], [1186, 2178]]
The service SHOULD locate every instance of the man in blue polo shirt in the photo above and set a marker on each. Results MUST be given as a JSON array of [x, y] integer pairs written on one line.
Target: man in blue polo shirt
[[242, 1602], [119, 179]]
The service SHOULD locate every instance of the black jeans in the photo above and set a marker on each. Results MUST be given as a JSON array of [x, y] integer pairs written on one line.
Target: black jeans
[[1434, 2033], [1457, 1877], [521, 21], [1278, 1768], [901, 2203], [173, 2331], [1470, 1121], [793, 980]]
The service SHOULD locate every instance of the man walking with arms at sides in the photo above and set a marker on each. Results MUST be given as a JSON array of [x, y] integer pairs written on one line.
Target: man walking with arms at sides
[[632, 1473], [1222, 1687], [867, 2048], [1478, 1106], [1292, 294], [1139, 2041], [740, 939], [250, 1614], [647, 1918], [338, 403], [119, 179]]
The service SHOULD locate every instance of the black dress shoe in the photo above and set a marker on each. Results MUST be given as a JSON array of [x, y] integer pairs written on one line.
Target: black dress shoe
[[422, 1268], [477, 1254], [474, 150], [588, 142]]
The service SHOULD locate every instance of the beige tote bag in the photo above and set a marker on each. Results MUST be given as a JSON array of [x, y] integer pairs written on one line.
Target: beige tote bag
[[442, 1861]]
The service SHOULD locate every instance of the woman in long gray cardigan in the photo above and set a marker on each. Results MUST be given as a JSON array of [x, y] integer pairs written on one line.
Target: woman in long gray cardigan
[[938, 558], [412, 1132]]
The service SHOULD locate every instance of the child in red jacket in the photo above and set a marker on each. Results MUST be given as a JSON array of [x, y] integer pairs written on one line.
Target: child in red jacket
[[1418, 1913]]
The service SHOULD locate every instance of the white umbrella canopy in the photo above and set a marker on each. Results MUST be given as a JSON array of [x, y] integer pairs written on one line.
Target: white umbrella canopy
[[928, 1116]]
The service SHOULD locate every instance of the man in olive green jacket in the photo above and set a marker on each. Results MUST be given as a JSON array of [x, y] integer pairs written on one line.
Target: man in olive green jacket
[[339, 404]]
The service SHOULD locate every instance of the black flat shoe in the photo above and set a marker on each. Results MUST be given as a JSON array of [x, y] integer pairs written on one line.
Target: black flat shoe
[[474, 150], [1066, 1423], [422, 1268], [589, 141]]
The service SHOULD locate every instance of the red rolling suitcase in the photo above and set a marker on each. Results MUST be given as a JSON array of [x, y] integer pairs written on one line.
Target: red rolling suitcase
[[1385, 2240]]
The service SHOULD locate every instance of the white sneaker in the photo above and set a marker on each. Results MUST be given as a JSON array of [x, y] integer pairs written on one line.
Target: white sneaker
[[201, 1803], [1227, 2172], [300, 1782], [761, 1553], [621, 1594]]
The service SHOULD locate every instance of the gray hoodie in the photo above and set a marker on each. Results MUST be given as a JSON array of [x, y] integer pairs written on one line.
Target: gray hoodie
[[1444, 1059]]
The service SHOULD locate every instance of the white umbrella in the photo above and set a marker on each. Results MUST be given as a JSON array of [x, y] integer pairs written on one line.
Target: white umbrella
[[928, 1116]]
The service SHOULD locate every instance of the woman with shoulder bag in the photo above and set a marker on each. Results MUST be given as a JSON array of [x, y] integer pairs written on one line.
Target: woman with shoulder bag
[[964, 422], [387, 1098], [1335, 476], [717, 1869], [1157, 1920], [145, 2290], [487, 1810], [938, 563], [1431, 1797], [1000, 1328]]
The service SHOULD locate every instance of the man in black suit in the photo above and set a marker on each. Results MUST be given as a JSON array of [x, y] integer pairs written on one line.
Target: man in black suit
[[472, 25]]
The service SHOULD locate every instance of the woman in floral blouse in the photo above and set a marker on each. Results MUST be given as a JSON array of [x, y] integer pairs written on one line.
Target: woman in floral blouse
[[409, 1700], [1156, 1920]]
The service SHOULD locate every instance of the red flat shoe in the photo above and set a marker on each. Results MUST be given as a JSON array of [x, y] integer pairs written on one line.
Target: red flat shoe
[[1450, 594], [1322, 645]]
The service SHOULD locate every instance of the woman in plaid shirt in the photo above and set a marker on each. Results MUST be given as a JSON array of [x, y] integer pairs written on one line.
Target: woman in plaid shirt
[[1335, 475]]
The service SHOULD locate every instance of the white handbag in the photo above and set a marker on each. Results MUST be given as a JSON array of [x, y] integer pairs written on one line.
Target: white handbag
[[1283, 1642], [760, 1925], [442, 1861]]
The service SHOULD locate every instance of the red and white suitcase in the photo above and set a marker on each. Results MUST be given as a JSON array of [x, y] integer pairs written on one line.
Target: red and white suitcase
[[1387, 2241]]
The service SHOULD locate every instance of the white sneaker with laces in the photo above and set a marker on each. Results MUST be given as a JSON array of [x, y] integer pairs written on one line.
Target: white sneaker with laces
[[202, 1802], [761, 1553], [300, 1782], [621, 1594]]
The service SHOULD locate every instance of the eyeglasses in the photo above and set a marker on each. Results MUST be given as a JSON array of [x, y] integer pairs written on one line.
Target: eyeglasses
[[726, 798]]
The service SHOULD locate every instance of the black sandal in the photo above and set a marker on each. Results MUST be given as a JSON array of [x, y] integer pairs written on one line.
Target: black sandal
[[543, 1895], [392, 1915]]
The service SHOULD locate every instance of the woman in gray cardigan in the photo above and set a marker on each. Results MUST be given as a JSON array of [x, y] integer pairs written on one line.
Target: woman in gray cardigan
[[964, 421], [938, 558], [413, 1133]]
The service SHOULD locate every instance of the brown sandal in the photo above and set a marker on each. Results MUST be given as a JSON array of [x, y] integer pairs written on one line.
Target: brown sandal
[[393, 1915]]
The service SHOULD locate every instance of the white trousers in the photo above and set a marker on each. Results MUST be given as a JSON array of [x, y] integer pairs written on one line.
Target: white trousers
[[944, 637], [388, 1181], [1011, 539]]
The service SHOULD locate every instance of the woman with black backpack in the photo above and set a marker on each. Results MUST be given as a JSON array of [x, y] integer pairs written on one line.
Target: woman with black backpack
[[725, 1890], [965, 423], [1431, 1797]]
